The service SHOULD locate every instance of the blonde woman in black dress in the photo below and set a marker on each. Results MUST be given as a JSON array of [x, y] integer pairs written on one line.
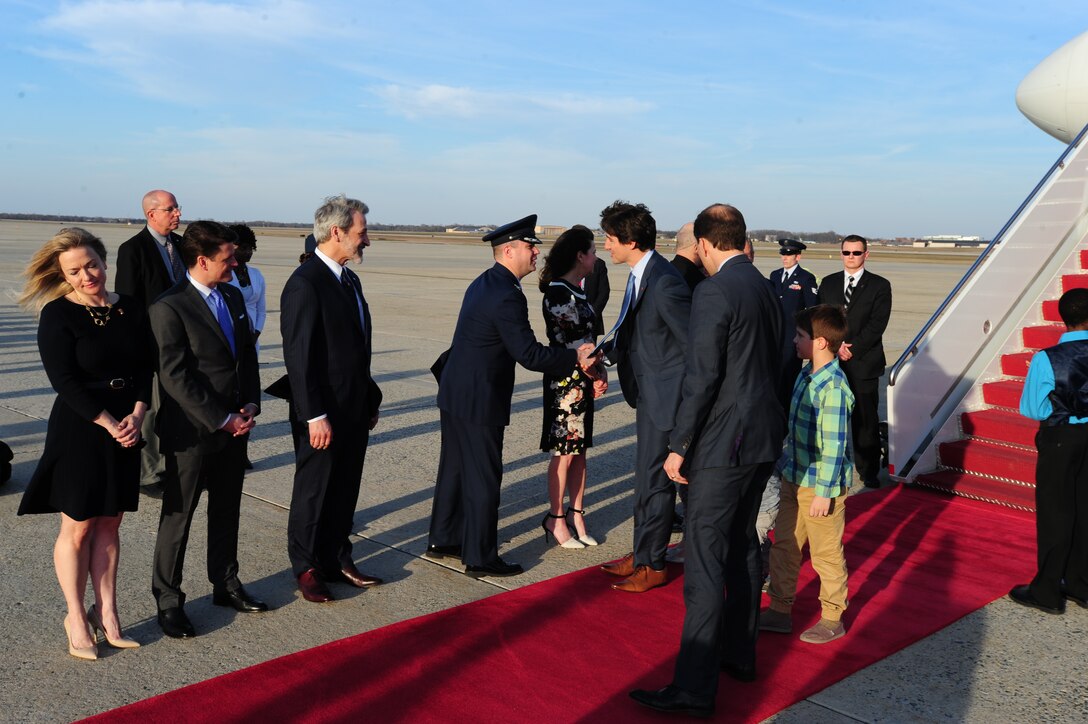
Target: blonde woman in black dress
[[95, 347], [568, 401]]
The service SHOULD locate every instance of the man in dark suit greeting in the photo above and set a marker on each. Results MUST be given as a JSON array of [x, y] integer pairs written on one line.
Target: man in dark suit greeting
[[728, 433], [147, 265], [868, 301], [475, 384], [326, 330], [649, 351], [211, 394]]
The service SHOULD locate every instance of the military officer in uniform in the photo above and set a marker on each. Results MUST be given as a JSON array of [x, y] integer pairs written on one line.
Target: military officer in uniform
[[475, 385], [796, 290]]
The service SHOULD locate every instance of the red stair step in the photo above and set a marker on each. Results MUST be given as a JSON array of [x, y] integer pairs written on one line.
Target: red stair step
[[1043, 336], [1003, 393], [1074, 281], [988, 459], [1084, 258], [1016, 363], [979, 488], [1000, 426], [1050, 310]]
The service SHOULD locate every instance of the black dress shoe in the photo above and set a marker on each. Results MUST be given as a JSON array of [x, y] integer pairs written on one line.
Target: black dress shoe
[[175, 624], [1079, 600], [1023, 596], [313, 589], [352, 576], [673, 700], [740, 672], [443, 552], [239, 600], [497, 568]]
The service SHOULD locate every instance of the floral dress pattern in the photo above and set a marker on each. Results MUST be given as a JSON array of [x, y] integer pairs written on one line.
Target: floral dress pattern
[[568, 401]]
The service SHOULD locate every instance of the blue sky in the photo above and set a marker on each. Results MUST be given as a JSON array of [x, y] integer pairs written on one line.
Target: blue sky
[[863, 117]]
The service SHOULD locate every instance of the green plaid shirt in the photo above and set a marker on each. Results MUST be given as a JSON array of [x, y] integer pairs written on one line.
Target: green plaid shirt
[[818, 453]]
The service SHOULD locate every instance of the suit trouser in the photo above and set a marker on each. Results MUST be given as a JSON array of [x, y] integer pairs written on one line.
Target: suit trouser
[[791, 367], [220, 473], [152, 461], [465, 511], [824, 537], [865, 427], [1061, 520], [722, 574], [654, 494], [325, 496]]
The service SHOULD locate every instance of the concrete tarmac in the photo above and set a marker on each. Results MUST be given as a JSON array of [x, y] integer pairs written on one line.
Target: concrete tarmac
[[999, 663]]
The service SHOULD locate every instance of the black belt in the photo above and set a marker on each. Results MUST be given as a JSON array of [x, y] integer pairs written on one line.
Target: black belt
[[117, 383]]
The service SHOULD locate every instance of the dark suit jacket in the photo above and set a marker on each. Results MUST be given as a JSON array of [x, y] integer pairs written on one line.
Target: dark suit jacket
[[597, 291], [730, 415], [649, 351], [867, 317], [201, 380], [692, 274], [493, 332], [325, 348], [141, 272]]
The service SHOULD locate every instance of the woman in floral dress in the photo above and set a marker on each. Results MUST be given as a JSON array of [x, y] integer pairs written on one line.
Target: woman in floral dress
[[568, 401]]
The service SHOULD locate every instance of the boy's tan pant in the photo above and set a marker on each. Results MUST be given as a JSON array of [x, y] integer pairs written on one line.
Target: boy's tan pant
[[794, 528]]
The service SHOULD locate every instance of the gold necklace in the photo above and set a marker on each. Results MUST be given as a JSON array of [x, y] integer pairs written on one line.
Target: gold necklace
[[99, 317]]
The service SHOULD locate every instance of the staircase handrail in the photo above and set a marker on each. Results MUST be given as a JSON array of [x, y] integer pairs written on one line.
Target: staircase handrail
[[912, 348]]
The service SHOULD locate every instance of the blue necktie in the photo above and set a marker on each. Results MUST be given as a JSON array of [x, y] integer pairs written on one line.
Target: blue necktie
[[628, 300], [223, 315]]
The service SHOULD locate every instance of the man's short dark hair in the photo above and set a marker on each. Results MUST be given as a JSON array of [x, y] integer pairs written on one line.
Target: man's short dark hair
[[823, 320], [723, 226], [1073, 308], [203, 238], [630, 222], [855, 237]]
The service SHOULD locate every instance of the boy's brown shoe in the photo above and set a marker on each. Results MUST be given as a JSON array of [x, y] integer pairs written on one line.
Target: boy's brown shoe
[[823, 632], [775, 621]]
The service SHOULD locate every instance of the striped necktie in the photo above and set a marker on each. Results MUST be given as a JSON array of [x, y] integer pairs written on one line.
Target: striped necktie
[[849, 291]]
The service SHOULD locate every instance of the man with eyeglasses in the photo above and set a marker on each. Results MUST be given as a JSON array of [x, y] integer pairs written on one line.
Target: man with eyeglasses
[[867, 298], [147, 265]]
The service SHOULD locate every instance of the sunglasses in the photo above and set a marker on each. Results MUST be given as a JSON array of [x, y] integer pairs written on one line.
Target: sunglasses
[[852, 253]]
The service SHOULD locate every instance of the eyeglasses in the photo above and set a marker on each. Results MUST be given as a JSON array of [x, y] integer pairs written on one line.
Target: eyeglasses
[[168, 209], [852, 253]]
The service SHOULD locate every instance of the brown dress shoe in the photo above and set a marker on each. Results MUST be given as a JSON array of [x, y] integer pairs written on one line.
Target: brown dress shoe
[[353, 576], [313, 589], [623, 568], [643, 579]]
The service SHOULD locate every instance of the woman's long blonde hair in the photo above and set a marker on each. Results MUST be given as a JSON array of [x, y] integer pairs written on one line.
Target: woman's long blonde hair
[[44, 278]]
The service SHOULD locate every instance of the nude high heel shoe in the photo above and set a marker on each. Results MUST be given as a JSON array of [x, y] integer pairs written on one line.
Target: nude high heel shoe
[[88, 654], [570, 543], [96, 625], [586, 538]]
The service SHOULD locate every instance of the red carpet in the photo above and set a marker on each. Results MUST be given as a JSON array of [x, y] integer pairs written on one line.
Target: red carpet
[[569, 649]]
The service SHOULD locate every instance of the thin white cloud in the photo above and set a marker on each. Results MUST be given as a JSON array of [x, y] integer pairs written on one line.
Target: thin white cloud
[[166, 49], [463, 102]]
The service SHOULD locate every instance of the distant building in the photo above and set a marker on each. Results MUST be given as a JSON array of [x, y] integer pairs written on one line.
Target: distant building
[[948, 241], [547, 230]]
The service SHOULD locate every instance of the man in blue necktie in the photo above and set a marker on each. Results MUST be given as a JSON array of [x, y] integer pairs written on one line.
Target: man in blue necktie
[[210, 397], [649, 351]]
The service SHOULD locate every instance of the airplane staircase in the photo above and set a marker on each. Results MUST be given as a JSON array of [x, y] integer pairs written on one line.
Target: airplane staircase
[[954, 394]]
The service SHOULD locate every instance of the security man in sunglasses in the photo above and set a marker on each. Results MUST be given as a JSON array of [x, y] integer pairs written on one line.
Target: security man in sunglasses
[[868, 301]]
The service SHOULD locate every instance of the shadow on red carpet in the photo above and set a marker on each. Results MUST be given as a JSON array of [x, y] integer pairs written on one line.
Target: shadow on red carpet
[[569, 649]]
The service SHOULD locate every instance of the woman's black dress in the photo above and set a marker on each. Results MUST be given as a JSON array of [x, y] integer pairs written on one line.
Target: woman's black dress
[[568, 401], [83, 471]]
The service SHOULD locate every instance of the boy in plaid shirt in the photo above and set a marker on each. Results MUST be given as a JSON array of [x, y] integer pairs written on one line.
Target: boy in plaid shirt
[[816, 470]]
